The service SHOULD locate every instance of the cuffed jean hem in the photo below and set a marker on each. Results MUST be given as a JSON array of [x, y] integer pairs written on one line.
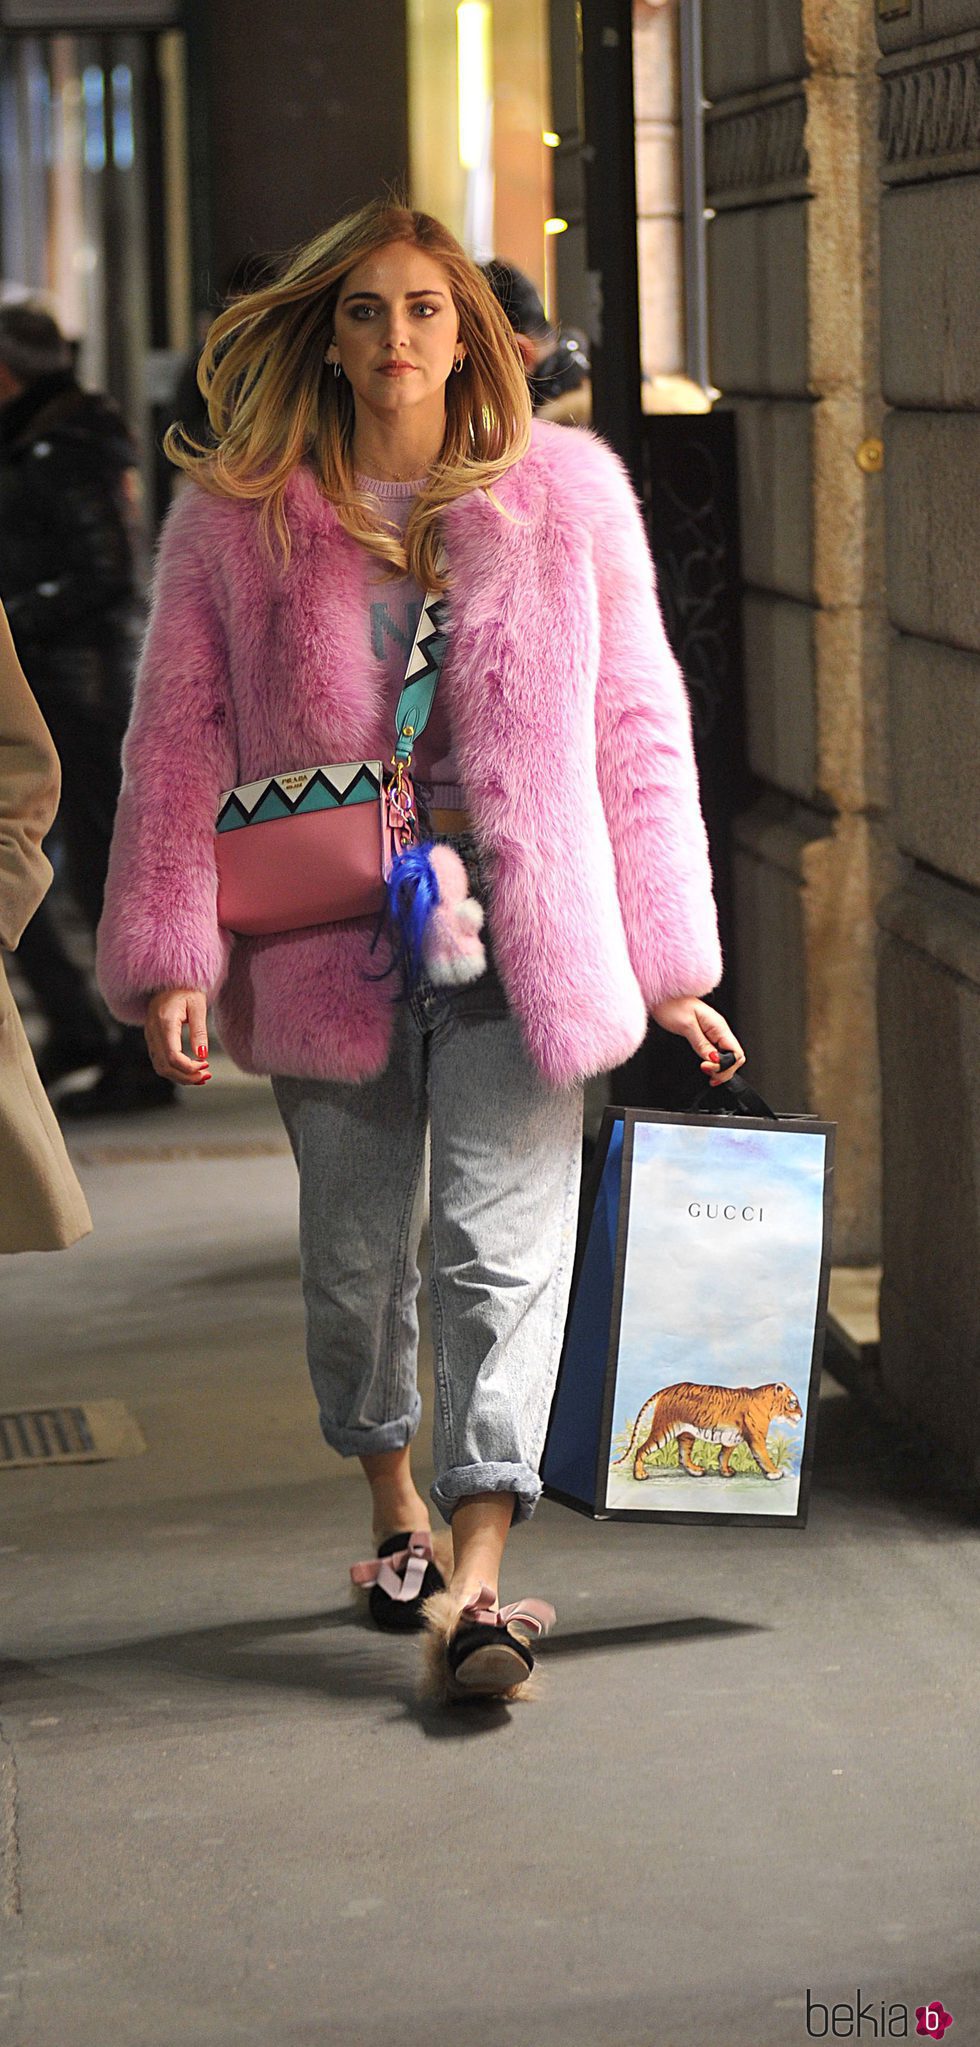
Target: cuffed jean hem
[[465, 1480], [369, 1442]]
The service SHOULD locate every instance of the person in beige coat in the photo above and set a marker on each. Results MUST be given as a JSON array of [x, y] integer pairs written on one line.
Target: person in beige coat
[[42, 1207]]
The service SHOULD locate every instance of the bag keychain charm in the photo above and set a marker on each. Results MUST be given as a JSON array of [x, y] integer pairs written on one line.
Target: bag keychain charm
[[433, 921], [327, 843]]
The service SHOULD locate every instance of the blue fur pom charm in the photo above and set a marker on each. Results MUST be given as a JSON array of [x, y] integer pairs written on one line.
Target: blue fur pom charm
[[413, 892]]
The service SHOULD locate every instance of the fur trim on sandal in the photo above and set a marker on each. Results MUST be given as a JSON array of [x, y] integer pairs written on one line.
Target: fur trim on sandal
[[481, 1651]]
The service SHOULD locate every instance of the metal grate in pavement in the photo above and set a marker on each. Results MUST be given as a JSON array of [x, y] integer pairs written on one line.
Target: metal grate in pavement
[[91, 1434]]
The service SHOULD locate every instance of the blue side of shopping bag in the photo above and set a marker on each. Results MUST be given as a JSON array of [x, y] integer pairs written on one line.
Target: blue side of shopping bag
[[568, 1467], [676, 1356]]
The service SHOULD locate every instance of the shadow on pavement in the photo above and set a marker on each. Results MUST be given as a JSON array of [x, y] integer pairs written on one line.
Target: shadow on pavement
[[232, 1654], [870, 1456]]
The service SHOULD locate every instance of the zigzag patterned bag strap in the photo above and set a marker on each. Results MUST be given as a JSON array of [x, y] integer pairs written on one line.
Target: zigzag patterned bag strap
[[421, 675]]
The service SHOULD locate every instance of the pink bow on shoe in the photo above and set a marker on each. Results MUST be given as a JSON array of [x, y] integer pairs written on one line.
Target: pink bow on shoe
[[535, 1614], [411, 1563]]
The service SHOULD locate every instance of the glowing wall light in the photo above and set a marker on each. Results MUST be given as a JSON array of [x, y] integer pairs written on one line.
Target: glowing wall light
[[474, 73], [556, 226], [550, 139]]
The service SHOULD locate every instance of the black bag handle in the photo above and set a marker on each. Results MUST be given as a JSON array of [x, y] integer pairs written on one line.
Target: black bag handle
[[736, 1098]]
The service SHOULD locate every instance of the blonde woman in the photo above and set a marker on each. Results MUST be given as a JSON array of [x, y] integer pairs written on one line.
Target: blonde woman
[[370, 410]]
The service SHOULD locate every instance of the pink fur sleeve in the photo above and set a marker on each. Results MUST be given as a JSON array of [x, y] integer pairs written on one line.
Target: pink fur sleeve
[[159, 927], [647, 774]]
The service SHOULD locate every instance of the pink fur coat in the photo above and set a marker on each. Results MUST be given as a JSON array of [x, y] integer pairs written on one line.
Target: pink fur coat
[[571, 732]]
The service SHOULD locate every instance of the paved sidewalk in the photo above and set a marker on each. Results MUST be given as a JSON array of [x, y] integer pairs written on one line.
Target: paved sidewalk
[[227, 1818]]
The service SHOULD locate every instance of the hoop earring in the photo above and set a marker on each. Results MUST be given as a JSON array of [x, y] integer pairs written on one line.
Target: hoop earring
[[337, 369], [458, 362]]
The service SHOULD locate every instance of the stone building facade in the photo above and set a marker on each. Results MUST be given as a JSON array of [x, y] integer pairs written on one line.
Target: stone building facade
[[843, 171], [929, 963]]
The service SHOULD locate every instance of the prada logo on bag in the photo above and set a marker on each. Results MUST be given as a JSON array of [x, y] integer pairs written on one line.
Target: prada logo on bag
[[298, 790]]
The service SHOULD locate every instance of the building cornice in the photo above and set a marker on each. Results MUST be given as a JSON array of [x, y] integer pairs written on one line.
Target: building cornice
[[755, 148], [930, 111]]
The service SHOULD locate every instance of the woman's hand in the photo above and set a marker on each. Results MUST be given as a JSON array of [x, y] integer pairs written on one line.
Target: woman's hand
[[166, 1016], [704, 1028]]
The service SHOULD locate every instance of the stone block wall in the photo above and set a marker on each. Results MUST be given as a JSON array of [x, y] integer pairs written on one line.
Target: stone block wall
[[791, 162], [844, 272], [274, 97], [929, 940]]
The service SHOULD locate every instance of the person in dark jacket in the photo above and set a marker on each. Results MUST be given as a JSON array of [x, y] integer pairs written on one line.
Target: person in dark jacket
[[249, 274], [69, 578], [559, 373]]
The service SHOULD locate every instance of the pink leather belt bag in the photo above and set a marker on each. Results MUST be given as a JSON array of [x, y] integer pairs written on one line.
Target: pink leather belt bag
[[314, 845]]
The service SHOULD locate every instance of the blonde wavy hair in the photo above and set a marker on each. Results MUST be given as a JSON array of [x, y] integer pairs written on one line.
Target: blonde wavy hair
[[274, 403]]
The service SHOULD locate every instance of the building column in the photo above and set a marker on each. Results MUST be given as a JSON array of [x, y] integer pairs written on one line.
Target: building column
[[300, 114], [929, 970], [793, 296], [659, 198]]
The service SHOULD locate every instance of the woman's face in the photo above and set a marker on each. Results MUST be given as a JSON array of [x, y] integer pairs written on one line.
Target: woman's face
[[396, 329]]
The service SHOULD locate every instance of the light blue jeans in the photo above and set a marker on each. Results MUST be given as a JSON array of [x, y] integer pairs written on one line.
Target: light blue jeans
[[503, 1200]]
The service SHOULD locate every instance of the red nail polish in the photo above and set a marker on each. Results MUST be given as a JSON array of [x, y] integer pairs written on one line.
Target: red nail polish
[[202, 1051], [716, 1056]]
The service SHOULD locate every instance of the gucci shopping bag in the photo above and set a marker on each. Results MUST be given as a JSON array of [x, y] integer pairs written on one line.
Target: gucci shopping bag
[[688, 1383]]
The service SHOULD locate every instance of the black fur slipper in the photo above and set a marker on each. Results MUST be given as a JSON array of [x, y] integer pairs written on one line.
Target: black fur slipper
[[400, 1578]]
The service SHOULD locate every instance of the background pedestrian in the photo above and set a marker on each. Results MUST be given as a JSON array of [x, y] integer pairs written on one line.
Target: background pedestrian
[[69, 577], [557, 363]]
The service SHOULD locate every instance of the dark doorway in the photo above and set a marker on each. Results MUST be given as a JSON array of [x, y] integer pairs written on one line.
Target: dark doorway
[[683, 464]]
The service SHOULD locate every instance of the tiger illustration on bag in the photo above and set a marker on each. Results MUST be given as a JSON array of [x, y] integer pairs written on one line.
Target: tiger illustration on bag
[[711, 1414]]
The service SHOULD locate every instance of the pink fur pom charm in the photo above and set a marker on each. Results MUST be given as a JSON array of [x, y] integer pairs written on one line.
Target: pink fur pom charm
[[452, 949]]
